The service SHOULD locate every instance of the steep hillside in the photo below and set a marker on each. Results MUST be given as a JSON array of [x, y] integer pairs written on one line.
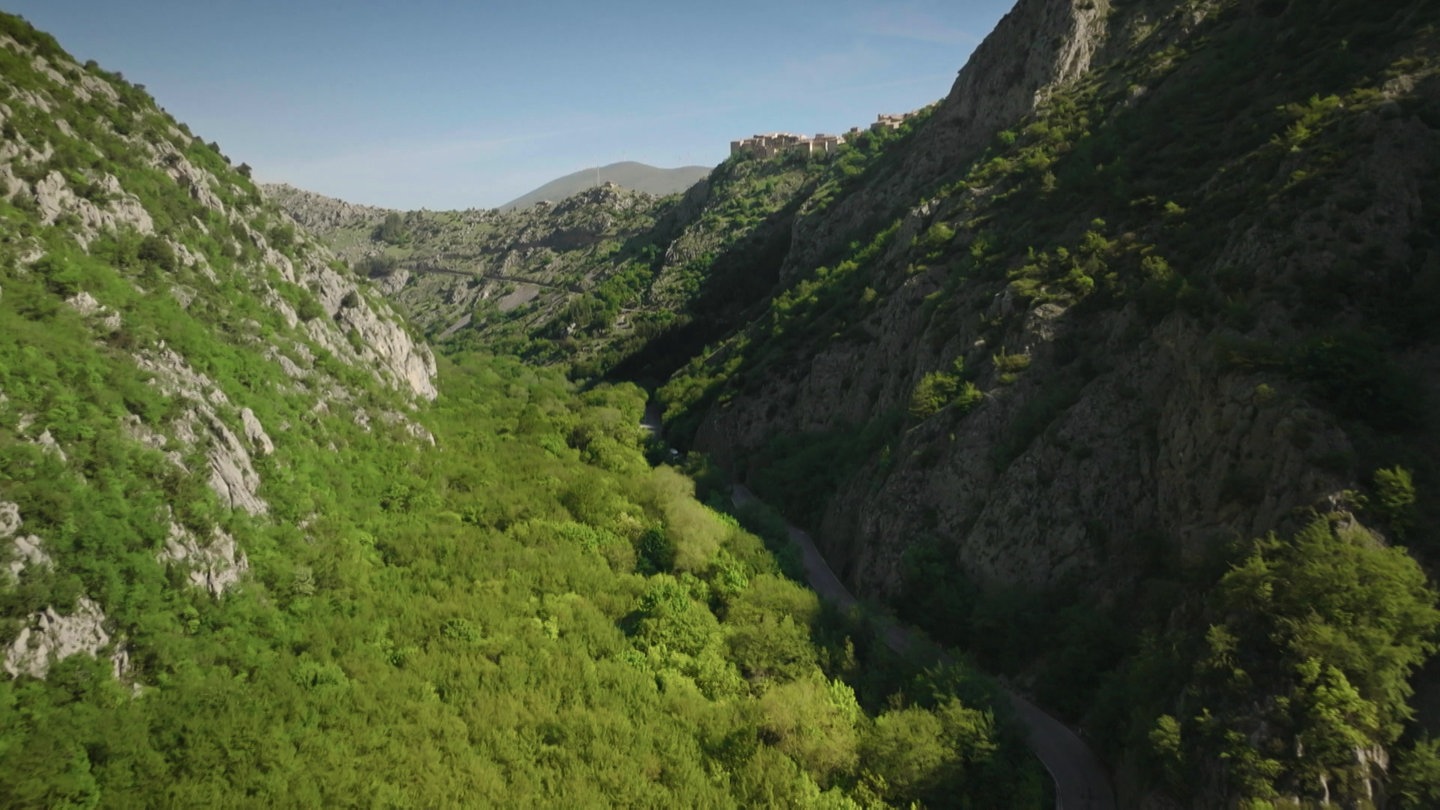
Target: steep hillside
[[1126, 304], [627, 175], [256, 549]]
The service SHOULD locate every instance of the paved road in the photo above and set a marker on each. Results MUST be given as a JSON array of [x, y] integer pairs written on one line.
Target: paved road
[[1081, 782]]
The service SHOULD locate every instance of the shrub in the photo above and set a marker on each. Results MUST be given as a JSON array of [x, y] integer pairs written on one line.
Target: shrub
[[933, 392], [391, 231], [157, 251], [282, 237], [309, 309]]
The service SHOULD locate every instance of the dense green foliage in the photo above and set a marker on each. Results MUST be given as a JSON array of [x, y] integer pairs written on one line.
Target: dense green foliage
[[530, 608], [522, 613], [1314, 640]]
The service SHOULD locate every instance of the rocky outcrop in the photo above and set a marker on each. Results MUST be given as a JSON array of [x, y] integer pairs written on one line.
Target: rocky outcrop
[[215, 567], [199, 184], [105, 319], [26, 550], [28, 554], [121, 210], [319, 213], [232, 469], [255, 433], [232, 472], [52, 636], [1039, 46], [384, 343], [9, 519]]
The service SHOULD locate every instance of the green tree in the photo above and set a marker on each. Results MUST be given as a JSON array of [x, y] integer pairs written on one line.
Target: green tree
[[1395, 498], [669, 617], [391, 231], [915, 755], [1417, 775], [157, 251], [1308, 659]]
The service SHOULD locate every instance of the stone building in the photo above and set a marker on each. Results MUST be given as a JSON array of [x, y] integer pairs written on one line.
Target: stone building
[[774, 143]]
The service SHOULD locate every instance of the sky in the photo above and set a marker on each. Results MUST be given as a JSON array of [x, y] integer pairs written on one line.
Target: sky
[[445, 104]]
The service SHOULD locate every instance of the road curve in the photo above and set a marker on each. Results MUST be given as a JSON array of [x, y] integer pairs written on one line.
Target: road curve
[[1081, 782]]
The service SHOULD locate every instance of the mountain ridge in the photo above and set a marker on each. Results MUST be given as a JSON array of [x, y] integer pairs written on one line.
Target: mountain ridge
[[625, 174]]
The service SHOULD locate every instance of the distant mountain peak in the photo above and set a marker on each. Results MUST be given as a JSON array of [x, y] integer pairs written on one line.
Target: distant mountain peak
[[626, 174]]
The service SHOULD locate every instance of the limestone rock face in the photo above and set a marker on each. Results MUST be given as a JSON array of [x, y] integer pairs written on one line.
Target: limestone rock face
[[318, 212], [216, 567], [255, 433], [196, 182], [55, 198], [1038, 46], [232, 469], [26, 550], [28, 554], [9, 519], [232, 472], [53, 637]]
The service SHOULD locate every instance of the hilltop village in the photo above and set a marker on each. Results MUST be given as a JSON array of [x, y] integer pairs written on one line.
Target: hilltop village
[[774, 143]]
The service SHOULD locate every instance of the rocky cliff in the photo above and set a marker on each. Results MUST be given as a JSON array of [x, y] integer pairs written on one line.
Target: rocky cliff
[[1151, 419], [1125, 300], [1037, 47], [450, 271], [603, 277]]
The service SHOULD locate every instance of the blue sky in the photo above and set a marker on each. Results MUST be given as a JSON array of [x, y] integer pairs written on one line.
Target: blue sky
[[447, 104]]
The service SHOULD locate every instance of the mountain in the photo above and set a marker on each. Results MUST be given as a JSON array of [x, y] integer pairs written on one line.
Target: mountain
[[1128, 346], [1116, 368], [626, 175], [260, 546], [445, 268]]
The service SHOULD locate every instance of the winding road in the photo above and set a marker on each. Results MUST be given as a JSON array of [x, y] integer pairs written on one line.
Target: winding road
[[1081, 782]]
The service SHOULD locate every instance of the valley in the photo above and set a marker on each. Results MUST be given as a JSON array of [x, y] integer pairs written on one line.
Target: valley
[[1109, 380]]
